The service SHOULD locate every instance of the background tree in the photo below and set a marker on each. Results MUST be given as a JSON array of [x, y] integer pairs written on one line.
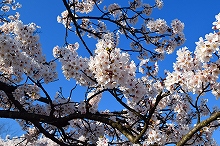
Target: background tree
[[157, 109]]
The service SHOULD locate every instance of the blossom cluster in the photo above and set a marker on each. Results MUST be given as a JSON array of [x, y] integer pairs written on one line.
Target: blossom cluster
[[6, 7], [85, 6], [64, 19], [10, 4], [21, 54], [196, 71], [159, 25], [73, 65], [110, 67], [176, 39]]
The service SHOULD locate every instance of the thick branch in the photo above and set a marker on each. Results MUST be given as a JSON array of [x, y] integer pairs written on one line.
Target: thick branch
[[103, 119], [48, 135], [62, 122], [9, 89], [199, 126], [151, 112]]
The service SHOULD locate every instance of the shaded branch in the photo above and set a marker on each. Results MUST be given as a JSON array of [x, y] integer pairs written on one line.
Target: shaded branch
[[63, 121], [9, 89], [151, 112]]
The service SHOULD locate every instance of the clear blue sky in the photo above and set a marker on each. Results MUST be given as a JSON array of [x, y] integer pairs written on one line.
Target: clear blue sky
[[197, 15]]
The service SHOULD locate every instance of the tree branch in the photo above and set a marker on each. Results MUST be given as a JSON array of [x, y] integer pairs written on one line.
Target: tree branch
[[76, 25], [63, 121], [199, 126]]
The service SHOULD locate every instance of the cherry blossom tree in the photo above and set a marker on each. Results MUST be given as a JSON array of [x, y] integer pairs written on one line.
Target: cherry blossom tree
[[156, 109]]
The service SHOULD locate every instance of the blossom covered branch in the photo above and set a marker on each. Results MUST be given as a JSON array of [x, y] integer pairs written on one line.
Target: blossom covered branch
[[153, 109]]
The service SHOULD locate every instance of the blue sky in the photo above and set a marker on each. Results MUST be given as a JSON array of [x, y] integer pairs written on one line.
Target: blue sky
[[196, 14]]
